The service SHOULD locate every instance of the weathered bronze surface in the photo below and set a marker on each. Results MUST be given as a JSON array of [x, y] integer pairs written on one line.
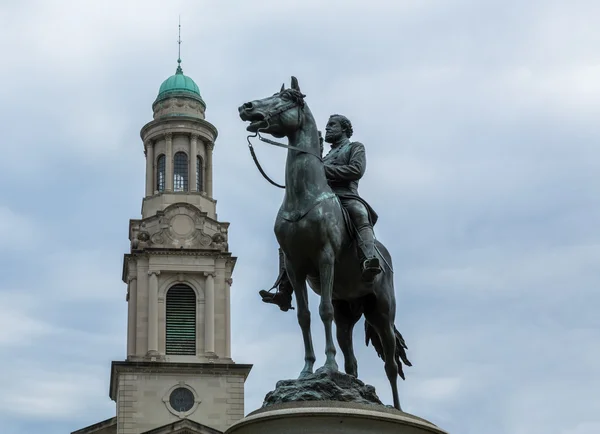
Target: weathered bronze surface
[[323, 386], [317, 237]]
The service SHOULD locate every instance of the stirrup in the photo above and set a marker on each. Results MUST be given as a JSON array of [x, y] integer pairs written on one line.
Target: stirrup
[[278, 298], [266, 294], [370, 269]]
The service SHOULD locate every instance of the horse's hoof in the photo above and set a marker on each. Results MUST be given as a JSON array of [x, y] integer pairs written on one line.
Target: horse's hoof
[[352, 372], [305, 374], [329, 368]]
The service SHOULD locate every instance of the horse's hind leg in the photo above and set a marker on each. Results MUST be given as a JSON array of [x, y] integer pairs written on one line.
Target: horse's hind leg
[[326, 264], [378, 315], [301, 293], [345, 318]]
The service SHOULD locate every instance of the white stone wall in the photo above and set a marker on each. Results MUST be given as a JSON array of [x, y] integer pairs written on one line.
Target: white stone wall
[[141, 404]]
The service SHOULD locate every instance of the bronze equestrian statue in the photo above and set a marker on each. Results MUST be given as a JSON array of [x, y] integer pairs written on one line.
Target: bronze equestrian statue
[[317, 239]]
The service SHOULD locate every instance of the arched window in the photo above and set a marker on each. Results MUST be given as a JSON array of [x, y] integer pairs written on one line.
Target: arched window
[[180, 172], [181, 321], [199, 174], [160, 172]]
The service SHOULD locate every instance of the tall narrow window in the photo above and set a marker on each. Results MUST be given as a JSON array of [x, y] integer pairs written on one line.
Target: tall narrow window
[[160, 172], [181, 321], [180, 172], [199, 174]]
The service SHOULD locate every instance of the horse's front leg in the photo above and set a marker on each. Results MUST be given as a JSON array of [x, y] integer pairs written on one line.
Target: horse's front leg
[[298, 282], [326, 268]]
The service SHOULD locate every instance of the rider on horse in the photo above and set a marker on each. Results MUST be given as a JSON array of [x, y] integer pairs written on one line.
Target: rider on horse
[[344, 165]]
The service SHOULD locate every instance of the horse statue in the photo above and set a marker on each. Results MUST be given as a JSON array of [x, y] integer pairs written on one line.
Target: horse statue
[[319, 247]]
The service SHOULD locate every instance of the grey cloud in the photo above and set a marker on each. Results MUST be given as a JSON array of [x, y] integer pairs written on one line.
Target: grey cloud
[[480, 124]]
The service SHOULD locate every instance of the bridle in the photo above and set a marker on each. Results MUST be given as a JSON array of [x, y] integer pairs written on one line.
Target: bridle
[[297, 102]]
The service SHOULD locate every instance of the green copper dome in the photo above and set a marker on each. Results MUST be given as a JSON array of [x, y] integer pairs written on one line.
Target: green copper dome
[[178, 84]]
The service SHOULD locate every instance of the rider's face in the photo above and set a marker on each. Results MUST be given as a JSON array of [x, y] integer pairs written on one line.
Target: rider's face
[[333, 131]]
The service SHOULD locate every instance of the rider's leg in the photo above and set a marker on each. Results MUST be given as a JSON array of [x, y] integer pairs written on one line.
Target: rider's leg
[[366, 238], [283, 296]]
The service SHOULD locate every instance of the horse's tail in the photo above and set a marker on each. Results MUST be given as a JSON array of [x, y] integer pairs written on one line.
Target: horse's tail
[[400, 356]]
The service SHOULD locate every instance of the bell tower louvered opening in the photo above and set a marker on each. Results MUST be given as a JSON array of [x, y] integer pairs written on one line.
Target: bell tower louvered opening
[[181, 321]]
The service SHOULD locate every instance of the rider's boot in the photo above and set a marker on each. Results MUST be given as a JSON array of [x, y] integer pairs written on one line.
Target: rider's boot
[[370, 266], [283, 296]]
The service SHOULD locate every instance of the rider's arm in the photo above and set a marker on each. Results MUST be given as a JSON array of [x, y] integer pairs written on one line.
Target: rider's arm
[[352, 171]]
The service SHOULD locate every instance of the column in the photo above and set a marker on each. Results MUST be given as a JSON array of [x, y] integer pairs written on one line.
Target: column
[[132, 314], [141, 314], [153, 312], [209, 166], [228, 283], [193, 154], [149, 146], [169, 162], [209, 314]]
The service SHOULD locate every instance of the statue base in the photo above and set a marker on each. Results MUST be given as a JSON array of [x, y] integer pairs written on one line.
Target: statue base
[[320, 417], [323, 385]]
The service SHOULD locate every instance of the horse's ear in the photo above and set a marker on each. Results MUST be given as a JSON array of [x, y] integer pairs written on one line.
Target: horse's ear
[[295, 84], [282, 87]]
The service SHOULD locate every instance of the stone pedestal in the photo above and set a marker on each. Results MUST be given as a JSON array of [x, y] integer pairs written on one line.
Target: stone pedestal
[[331, 417]]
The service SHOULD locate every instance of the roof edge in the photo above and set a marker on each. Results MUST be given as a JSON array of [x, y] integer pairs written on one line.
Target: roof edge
[[178, 93], [97, 426]]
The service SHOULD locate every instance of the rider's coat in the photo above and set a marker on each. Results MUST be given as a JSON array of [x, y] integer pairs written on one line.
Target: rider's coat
[[344, 166]]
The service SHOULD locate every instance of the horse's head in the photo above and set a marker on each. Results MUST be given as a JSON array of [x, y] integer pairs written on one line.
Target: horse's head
[[278, 115]]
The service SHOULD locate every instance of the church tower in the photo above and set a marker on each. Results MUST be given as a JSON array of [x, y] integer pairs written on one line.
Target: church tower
[[179, 276], [178, 375]]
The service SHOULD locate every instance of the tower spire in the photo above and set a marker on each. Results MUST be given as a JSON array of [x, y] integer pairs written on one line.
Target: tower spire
[[179, 70]]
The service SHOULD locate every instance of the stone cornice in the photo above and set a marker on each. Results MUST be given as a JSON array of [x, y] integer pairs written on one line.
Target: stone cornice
[[179, 124], [149, 251], [198, 193], [185, 252], [192, 369]]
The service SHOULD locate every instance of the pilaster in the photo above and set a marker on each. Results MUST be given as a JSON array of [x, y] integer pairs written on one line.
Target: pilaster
[[228, 283], [193, 156], [141, 324], [149, 146], [209, 314], [169, 162], [153, 313], [209, 168], [132, 314]]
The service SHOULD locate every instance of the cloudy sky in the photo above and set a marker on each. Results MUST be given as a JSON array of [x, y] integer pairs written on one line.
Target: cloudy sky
[[480, 120]]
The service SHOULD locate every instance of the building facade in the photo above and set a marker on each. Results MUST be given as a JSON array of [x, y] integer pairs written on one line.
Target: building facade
[[178, 376]]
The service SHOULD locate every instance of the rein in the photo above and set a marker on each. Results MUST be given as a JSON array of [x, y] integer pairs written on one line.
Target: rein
[[258, 166], [274, 143]]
